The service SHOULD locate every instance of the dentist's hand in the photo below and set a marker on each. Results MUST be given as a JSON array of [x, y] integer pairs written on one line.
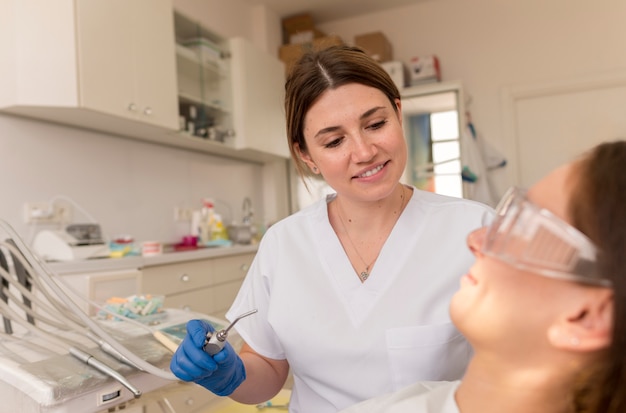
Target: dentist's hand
[[221, 374]]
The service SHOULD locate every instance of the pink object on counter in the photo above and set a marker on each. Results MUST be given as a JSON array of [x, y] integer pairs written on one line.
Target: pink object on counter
[[149, 248]]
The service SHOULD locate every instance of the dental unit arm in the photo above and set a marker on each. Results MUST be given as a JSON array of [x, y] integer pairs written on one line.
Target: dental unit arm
[[54, 318]]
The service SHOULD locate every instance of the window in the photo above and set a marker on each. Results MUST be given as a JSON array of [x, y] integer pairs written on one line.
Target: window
[[433, 139]]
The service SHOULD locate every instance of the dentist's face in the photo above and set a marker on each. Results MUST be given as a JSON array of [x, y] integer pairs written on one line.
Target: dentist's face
[[355, 140]]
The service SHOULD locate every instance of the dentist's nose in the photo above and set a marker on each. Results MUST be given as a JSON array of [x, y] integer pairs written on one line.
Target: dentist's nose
[[362, 149], [476, 239]]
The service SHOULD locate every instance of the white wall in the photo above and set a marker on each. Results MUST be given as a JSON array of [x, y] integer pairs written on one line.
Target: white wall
[[129, 186], [493, 45]]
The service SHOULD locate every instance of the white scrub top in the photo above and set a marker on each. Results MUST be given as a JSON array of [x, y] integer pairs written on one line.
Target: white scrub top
[[423, 397], [348, 341]]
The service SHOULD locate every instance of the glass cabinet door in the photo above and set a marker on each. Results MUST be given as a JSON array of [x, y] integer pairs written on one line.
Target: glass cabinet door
[[204, 84]]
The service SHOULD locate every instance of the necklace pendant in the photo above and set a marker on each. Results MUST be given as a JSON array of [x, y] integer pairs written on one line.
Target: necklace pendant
[[364, 275]]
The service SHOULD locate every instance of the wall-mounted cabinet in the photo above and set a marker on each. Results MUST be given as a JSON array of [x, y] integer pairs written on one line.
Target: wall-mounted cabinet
[[229, 90], [203, 66], [116, 66], [100, 64], [124, 59]]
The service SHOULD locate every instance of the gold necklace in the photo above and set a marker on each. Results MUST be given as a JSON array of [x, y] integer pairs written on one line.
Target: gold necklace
[[364, 275]]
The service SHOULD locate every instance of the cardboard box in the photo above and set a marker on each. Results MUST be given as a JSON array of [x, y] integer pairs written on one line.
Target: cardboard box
[[398, 72], [296, 24], [306, 36], [376, 45], [290, 53], [424, 69]]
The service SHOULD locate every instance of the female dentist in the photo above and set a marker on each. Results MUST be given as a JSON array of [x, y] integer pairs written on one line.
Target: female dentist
[[352, 292]]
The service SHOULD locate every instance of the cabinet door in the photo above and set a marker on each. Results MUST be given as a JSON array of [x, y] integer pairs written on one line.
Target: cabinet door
[[155, 63], [205, 286], [258, 84], [176, 278], [125, 59], [100, 286]]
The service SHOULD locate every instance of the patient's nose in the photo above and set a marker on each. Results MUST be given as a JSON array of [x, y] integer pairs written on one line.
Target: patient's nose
[[475, 240]]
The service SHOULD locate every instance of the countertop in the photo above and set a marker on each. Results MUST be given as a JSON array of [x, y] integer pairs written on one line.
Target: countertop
[[136, 262]]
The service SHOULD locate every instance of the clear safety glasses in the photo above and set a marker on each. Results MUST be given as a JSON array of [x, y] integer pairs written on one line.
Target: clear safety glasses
[[532, 238]]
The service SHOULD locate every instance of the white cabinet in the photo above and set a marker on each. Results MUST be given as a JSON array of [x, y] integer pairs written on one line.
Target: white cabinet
[[258, 94], [102, 285], [115, 66], [100, 64], [206, 286], [125, 59]]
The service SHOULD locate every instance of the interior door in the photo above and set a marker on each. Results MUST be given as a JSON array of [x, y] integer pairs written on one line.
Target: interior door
[[552, 124]]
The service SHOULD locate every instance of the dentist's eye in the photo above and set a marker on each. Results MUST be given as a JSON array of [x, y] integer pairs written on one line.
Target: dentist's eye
[[334, 143], [377, 125]]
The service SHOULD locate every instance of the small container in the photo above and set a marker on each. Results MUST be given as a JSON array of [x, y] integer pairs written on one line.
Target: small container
[[150, 248]]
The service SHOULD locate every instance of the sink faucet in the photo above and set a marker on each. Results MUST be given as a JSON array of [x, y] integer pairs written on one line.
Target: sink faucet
[[247, 210]]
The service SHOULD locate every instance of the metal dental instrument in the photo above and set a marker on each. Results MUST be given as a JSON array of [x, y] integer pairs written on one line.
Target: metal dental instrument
[[103, 368], [215, 342]]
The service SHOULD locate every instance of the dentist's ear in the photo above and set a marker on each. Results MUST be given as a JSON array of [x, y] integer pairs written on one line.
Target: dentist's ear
[[399, 110], [306, 158], [587, 326]]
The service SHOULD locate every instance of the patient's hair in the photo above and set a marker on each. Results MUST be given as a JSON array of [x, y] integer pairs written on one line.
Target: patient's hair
[[598, 209]]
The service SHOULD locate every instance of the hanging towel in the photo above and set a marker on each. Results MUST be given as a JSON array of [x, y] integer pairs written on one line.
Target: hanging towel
[[478, 159]]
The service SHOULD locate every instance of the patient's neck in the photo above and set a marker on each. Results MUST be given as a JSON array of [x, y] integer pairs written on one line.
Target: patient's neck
[[494, 385]]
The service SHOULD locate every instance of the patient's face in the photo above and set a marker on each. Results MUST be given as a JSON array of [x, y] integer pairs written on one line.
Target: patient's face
[[499, 306]]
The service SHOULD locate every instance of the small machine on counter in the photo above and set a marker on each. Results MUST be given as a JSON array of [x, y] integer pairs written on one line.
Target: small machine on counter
[[74, 242]]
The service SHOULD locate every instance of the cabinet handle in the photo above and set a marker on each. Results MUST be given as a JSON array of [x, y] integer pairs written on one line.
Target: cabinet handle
[[244, 267], [184, 278], [147, 111], [132, 107]]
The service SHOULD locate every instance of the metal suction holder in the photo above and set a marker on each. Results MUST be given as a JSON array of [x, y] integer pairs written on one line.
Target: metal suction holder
[[214, 343]]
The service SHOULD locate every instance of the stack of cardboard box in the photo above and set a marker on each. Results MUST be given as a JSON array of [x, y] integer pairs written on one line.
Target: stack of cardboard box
[[376, 45], [422, 69], [300, 35]]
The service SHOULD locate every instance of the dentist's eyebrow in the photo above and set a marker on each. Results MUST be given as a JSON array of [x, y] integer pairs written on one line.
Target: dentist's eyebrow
[[335, 128]]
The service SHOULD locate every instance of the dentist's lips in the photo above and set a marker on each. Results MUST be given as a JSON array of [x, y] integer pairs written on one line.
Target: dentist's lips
[[372, 171]]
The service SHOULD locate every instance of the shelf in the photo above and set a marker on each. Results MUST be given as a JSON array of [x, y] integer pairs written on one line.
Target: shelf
[[187, 98], [190, 57]]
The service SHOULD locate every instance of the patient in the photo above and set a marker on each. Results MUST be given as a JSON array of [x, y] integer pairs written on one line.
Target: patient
[[544, 306]]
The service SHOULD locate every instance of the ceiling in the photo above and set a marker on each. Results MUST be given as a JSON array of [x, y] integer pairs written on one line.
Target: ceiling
[[323, 11]]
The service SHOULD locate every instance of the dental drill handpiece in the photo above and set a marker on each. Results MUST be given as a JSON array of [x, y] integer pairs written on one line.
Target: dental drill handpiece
[[215, 342]]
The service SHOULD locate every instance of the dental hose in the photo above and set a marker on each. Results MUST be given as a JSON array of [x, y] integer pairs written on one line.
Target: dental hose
[[45, 275]]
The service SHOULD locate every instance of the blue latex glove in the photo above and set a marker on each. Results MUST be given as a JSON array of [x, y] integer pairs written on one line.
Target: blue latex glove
[[221, 374]]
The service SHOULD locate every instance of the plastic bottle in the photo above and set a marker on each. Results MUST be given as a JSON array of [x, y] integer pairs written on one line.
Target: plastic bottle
[[218, 231], [207, 221]]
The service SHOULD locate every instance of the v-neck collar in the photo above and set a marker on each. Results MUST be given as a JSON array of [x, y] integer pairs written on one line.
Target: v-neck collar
[[360, 298]]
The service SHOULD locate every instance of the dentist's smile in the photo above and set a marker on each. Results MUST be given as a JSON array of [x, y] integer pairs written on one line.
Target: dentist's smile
[[372, 171]]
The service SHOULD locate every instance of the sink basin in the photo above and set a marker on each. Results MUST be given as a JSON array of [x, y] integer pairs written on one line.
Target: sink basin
[[240, 233]]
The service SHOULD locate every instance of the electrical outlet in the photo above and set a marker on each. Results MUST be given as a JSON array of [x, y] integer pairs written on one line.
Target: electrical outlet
[[182, 214], [47, 213]]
